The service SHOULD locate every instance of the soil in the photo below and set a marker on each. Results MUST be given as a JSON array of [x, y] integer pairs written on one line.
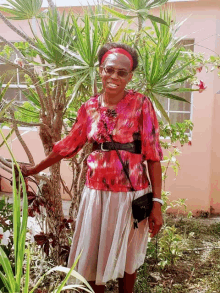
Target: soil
[[197, 270]]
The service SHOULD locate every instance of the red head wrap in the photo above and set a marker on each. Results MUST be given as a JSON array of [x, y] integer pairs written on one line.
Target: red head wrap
[[120, 51]]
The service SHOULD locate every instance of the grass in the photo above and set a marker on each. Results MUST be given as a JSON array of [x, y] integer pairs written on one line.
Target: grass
[[196, 271]]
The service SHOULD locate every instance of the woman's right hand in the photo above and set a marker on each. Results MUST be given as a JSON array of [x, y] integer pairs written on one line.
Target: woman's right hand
[[27, 170]]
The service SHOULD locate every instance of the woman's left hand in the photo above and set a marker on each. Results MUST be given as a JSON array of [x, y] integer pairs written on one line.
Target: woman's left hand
[[155, 219]]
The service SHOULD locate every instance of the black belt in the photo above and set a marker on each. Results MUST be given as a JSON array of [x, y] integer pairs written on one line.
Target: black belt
[[132, 147]]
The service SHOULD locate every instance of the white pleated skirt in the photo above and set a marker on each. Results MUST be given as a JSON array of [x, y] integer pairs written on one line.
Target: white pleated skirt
[[106, 236]]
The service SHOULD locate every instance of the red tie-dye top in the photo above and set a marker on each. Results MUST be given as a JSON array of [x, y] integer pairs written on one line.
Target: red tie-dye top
[[134, 119]]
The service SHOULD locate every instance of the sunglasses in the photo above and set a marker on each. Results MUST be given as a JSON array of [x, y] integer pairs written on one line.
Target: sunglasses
[[111, 70]]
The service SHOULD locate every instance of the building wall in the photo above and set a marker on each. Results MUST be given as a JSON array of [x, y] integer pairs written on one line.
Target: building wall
[[215, 154], [31, 137], [215, 142], [198, 179]]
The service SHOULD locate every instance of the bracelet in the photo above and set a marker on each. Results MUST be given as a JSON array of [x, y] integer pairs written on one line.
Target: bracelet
[[158, 200]]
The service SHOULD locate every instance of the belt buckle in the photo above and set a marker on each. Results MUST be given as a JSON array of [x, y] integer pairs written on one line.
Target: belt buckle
[[104, 150]]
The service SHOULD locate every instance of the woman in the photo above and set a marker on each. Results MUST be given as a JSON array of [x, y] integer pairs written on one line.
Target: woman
[[112, 248]]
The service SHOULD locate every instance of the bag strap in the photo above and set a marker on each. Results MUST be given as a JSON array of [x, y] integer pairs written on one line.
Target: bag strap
[[123, 165]]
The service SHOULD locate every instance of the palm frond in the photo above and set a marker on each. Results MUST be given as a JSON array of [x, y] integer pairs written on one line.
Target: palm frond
[[137, 8], [55, 35], [159, 107], [23, 9]]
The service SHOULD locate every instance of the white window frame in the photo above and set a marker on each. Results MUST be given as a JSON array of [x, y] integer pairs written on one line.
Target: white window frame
[[184, 112], [168, 111], [18, 86]]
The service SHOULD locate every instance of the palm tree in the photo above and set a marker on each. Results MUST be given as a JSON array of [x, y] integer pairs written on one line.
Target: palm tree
[[49, 94]]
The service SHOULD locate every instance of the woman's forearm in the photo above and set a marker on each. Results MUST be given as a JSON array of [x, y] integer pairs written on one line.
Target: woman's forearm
[[51, 159], [155, 173], [155, 219]]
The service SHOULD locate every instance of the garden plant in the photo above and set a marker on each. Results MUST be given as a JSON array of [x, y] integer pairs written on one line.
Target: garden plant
[[12, 273]]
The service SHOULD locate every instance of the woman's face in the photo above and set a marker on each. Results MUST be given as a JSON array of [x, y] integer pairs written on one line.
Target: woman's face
[[115, 73]]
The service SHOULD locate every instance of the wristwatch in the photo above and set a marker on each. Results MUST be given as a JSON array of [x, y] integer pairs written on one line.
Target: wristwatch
[[158, 200]]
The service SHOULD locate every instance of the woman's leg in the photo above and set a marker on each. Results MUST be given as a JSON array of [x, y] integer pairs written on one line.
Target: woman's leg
[[126, 284], [97, 288]]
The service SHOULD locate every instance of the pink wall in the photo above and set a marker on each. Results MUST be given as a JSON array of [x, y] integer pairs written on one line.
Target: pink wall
[[34, 144], [198, 179], [9, 34], [215, 158], [215, 149]]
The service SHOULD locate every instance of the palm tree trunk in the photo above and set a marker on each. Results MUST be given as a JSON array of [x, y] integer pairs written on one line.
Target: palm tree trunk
[[57, 199], [140, 25]]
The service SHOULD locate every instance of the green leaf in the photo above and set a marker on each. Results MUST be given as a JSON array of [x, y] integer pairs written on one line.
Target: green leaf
[[180, 80], [170, 62], [150, 37], [2, 112], [19, 229], [156, 19], [76, 88], [81, 44], [146, 65], [156, 3], [155, 67], [5, 281], [175, 72], [7, 137], [33, 97], [157, 31], [38, 283], [118, 14], [174, 97], [75, 287], [16, 220], [28, 112], [212, 58], [3, 92], [73, 273], [183, 90], [73, 54], [59, 289], [58, 78], [22, 232], [105, 18], [27, 275], [160, 107], [74, 67], [121, 4], [6, 265]]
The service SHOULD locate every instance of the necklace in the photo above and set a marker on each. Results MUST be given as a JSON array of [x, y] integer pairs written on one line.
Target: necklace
[[111, 112]]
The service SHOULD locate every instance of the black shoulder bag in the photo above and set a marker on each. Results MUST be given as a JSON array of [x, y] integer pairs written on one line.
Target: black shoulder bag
[[142, 206]]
